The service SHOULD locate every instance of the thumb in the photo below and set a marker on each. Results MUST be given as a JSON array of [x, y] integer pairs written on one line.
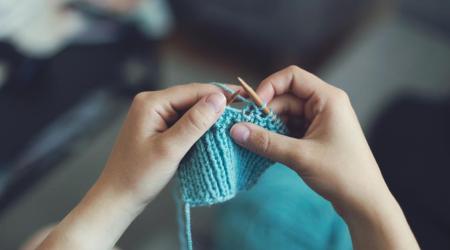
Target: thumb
[[274, 146], [195, 122]]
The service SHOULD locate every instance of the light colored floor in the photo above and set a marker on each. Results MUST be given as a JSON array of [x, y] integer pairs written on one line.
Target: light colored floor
[[389, 57]]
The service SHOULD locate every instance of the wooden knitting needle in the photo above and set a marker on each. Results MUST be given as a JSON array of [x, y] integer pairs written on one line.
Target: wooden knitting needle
[[254, 96], [233, 97]]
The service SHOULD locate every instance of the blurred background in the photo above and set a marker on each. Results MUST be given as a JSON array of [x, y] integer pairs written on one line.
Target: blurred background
[[69, 70]]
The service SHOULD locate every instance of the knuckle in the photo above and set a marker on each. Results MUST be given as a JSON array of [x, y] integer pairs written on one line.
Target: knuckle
[[195, 84], [293, 68], [183, 87], [176, 88], [197, 87], [262, 142], [340, 95], [140, 98], [201, 88], [196, 120], [139, 104], [144, 99]]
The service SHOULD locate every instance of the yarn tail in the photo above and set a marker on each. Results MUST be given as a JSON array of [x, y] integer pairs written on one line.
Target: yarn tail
[[187, 220], [184, 221]]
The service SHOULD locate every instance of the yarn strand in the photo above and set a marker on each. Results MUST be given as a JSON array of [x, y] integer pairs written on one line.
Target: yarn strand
[[187, 218]]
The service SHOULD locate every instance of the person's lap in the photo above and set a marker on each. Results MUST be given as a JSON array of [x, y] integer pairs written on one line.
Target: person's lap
[[280, 212]]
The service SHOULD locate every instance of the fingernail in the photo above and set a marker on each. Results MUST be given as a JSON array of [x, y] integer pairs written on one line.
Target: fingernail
[[240, 133], [216, 101]]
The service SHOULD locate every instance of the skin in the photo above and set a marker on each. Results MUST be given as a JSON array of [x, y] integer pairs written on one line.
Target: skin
[[115, 6], [331, 155]]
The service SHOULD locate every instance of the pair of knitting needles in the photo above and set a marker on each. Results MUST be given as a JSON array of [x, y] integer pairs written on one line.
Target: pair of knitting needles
[[252, 95]]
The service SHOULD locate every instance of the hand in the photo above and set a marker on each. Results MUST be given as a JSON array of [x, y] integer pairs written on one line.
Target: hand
[[154, 138], [159, 130], [332, 155], [115, 6]]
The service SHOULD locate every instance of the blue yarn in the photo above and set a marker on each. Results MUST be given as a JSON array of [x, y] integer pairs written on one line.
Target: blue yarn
[[182, 209], [216, 169], [187, 213]]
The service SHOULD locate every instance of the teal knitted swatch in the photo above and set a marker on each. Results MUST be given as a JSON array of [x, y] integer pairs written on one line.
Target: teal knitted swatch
[[216, 169]]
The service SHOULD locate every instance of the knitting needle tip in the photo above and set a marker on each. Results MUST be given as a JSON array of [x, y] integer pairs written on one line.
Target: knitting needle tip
[[233, 97], [254, 96]]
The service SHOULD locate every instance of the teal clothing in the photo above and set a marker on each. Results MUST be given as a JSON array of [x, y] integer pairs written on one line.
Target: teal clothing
[[280, 212]]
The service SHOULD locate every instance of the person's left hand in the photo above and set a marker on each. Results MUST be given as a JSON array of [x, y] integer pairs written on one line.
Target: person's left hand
[[151, 144], [160, 128]]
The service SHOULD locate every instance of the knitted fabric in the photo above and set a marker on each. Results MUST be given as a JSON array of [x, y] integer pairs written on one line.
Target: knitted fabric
[[216, 168]]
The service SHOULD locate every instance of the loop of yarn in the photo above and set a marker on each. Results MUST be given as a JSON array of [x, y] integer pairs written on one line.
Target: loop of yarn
[[216, 169]]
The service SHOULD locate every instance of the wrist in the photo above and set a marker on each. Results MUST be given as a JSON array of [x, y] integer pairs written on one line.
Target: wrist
[[117, 194], [138, 186], [379, 222], [371, 209], [97, 222], [370, 205]]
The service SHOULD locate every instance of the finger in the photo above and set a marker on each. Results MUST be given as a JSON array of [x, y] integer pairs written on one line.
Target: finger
[[182, 97], [274, 146], [195, 122], [169, 104], [287, 104], [291, 79]]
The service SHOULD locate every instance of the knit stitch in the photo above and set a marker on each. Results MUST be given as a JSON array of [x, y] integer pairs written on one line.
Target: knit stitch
[[216, 169]]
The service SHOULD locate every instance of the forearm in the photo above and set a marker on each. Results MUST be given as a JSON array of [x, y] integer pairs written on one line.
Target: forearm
[[97, 222], [155, 137], [379, 224]]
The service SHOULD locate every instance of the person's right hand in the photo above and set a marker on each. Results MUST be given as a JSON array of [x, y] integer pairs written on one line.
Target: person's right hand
[[332, 155]]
